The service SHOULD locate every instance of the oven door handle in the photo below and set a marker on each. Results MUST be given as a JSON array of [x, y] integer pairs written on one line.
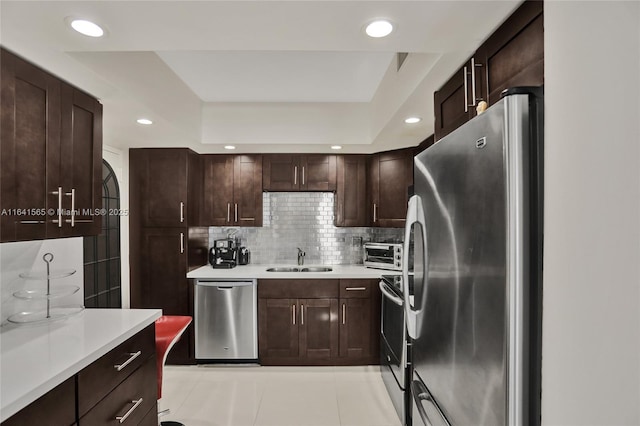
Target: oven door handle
[[388, 293]]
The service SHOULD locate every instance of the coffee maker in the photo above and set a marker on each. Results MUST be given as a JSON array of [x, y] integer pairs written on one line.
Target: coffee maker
[[224, 253]]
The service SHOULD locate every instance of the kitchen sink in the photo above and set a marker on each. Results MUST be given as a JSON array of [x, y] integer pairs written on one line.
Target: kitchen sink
[[316, 269], [304, 269]]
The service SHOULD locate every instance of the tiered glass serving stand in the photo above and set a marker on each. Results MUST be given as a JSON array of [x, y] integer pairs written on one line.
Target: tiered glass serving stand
[[47, 294]]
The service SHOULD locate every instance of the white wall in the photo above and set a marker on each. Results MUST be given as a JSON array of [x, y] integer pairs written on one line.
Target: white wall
[[591, 318]]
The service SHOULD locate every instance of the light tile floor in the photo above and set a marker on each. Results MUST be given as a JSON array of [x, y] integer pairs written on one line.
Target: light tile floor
[[276, 396]]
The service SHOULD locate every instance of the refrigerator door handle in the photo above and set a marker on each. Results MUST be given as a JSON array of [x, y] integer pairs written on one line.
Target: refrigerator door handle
[[415, 214]]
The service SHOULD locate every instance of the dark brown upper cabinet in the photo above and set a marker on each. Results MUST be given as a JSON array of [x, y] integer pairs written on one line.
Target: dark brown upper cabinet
[[298, 172], [166, 185], [514, 53], [81, 160], [232, 190], [512, 56], [51, 155], [351, 191], [390, 176], [456, 101]]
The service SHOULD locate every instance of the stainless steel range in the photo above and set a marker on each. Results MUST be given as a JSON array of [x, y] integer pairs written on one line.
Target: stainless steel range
[[394, 345]]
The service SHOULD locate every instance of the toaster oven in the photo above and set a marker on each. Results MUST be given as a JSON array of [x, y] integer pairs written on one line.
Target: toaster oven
[[383, 256]]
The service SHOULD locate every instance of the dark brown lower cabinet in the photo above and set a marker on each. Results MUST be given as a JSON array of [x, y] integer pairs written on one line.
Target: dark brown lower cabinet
[[318, 328], [318, 322], [355, 323], [100, 394], [277, 328], [57, 407]]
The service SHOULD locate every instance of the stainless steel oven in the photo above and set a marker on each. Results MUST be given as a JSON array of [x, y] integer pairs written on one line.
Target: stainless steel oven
[[394, 346]]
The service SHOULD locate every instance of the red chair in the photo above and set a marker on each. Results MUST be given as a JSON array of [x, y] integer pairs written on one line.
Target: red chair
[[169, 329]]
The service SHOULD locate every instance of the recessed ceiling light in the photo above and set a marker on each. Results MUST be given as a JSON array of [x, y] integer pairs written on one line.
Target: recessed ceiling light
[[87, 28], [229, 147], [379, 28], [144, 121], [412, 120], [336, 147]]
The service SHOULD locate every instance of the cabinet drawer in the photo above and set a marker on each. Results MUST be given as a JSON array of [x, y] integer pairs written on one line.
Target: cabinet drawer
[[355, 289], [151, 419], [297, 288], [101, 377], [135, 397], [55, 408]]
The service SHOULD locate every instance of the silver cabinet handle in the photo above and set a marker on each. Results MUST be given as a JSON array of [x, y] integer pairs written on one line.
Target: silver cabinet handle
[[181, 212], [473, 82], [375, 211], [133, 355], [301, 314], [236, 212], [228, 212], [466, 89], [72, 194], [303, 175], [344, 314], [293, 315], [59, 194], [32, 222], [295, 175], [182, 242], [355, 288], [476, 98], [135, 403]]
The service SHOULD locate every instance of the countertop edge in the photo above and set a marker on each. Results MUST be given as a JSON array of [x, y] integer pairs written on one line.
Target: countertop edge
[[13, 407]]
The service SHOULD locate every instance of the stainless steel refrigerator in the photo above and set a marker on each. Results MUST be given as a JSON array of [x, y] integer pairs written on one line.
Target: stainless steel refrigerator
[[474, 314]]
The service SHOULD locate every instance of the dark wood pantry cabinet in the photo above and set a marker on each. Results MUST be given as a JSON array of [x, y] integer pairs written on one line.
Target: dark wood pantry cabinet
[[390, 176], [299, 172], [318, 322], [232, 190], [50, 154], [165, 239], [512, 56]]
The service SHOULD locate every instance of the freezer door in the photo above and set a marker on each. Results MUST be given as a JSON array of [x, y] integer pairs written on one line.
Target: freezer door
[[463, 184], [226, 320]]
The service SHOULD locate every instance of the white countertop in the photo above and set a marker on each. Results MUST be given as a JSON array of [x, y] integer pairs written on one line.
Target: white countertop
[[260, 271], [37, 358]]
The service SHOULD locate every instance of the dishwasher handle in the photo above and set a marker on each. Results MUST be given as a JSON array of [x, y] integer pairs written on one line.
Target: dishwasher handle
[[224, 285]]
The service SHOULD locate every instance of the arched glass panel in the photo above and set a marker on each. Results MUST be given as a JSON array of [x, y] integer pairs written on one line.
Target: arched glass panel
[[102, 253]]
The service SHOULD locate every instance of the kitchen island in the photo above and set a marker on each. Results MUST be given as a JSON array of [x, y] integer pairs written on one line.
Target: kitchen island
[[37, 358]]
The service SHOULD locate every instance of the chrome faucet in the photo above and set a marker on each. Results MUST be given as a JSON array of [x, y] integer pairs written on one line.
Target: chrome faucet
[[301, 255]]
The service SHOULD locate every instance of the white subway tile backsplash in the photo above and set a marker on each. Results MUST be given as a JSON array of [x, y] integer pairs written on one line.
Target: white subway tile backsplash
[[305, 220]]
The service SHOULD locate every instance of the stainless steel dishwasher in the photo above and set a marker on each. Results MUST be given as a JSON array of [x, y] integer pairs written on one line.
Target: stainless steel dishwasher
[[226, 315]]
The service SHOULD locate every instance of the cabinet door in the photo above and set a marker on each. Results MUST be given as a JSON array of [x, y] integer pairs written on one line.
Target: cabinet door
[[351, 191], [455, 102], [81, 162], [355, 327], [159, 279], [247, 190], [159, 186], [391, 176], [514, 53], [277, 330], [218, 190], [317, 173], [30, 150], [280, 172], [318, 328]]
